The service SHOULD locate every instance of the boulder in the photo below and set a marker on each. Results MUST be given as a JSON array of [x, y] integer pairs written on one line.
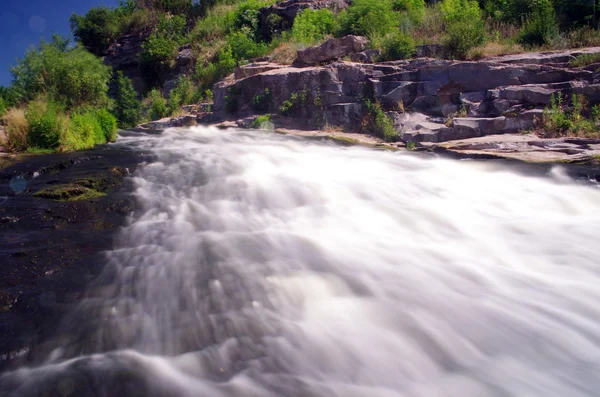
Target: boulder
[[331, 50], [255, 68], [184, 64], [430, 51], [368, 56], [123, 55]]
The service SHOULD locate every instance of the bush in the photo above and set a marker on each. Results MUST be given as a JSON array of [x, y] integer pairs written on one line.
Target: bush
[[561, 120], [219, 21], [312, 25], [17, 129], [368, 18], [294, 102], [461, 10], [97, 29], [128, 109], [261, 102], [541, 28], [414, 8], [84, 131], [379, 123], [46, 123], [160, 49], [158, 105], [397, 46], [261, 122], [243, 47], [464, 36], [182, 94], [73, 77], [246, 18], [108, 124], [208, 74]]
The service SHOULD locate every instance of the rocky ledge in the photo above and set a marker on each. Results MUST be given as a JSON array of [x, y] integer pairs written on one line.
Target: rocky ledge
[[58, 212]]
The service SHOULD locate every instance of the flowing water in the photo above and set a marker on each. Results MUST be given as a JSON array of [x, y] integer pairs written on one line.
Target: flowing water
[[266, 265]]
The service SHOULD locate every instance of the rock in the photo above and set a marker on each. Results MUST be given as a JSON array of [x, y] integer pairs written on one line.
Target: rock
[[330, 50], [430, 51], [280, 16], [168, 122], [184, 65], [255, 68], [540, 58], [368, 56], [123, 55]]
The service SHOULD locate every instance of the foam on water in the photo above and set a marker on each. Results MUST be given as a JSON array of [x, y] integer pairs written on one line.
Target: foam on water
[[265, 265]]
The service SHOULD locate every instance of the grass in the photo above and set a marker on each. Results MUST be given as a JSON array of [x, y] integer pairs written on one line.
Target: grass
[[570, 119], [584, 60], [262, 122], [17, 128], [68, 192]]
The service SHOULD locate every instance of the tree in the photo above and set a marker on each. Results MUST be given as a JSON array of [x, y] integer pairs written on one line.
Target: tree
[[128, 108], [96, 30], [70, 76]]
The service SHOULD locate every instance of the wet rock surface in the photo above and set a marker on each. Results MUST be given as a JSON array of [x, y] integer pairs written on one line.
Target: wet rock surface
[[58, 212]]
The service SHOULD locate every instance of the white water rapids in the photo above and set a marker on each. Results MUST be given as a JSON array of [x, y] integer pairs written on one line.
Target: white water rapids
[[262, 265]]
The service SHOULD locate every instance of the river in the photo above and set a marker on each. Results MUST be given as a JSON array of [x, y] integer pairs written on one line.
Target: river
[[267, 265]]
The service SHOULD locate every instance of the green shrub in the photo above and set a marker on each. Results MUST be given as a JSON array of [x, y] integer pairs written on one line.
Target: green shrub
[[108, 124], [45, 121], [464, 36], [231, 100], [296, 100], [461, 10], [312, 25], [160, 49], [261, 102], [415, 9], [73, 77], [368, 18], [378, 123], [207, 74], [182, 94], [97, 29], [261, 122], [244, 48], [541, 28], [397, 46], [84, 131], [128, 109], [218, 22], [158, 105], [246, 18], [561, 120]]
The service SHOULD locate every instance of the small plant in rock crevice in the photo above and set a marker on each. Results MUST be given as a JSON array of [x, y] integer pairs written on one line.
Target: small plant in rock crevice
[[296, 100], [261, 122], [563, 119], [261, 102], [378, 123]]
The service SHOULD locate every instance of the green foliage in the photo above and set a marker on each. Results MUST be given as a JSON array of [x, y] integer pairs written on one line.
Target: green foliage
[[461, 10], [97, 29], [243, 47], [415, 9], [397, 46], [261, 102], [46, 123], [182, 94], [84, 131], [158, 105], [246, 18], [368, 18], [463, 36], [231, 100], [208, 74], [378, 122], [128, 109], [584, 60], [73, 77], [218, 22], [3, 107], [541, 28], [312, 25], [296, 100], [161, 47], [108, 124], [261, 122], [562, 120]]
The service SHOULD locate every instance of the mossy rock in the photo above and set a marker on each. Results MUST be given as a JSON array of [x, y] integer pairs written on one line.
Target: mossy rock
[[68, 192]]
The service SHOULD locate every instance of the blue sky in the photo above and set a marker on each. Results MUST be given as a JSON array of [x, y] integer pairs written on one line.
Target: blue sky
[[24, 22]]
